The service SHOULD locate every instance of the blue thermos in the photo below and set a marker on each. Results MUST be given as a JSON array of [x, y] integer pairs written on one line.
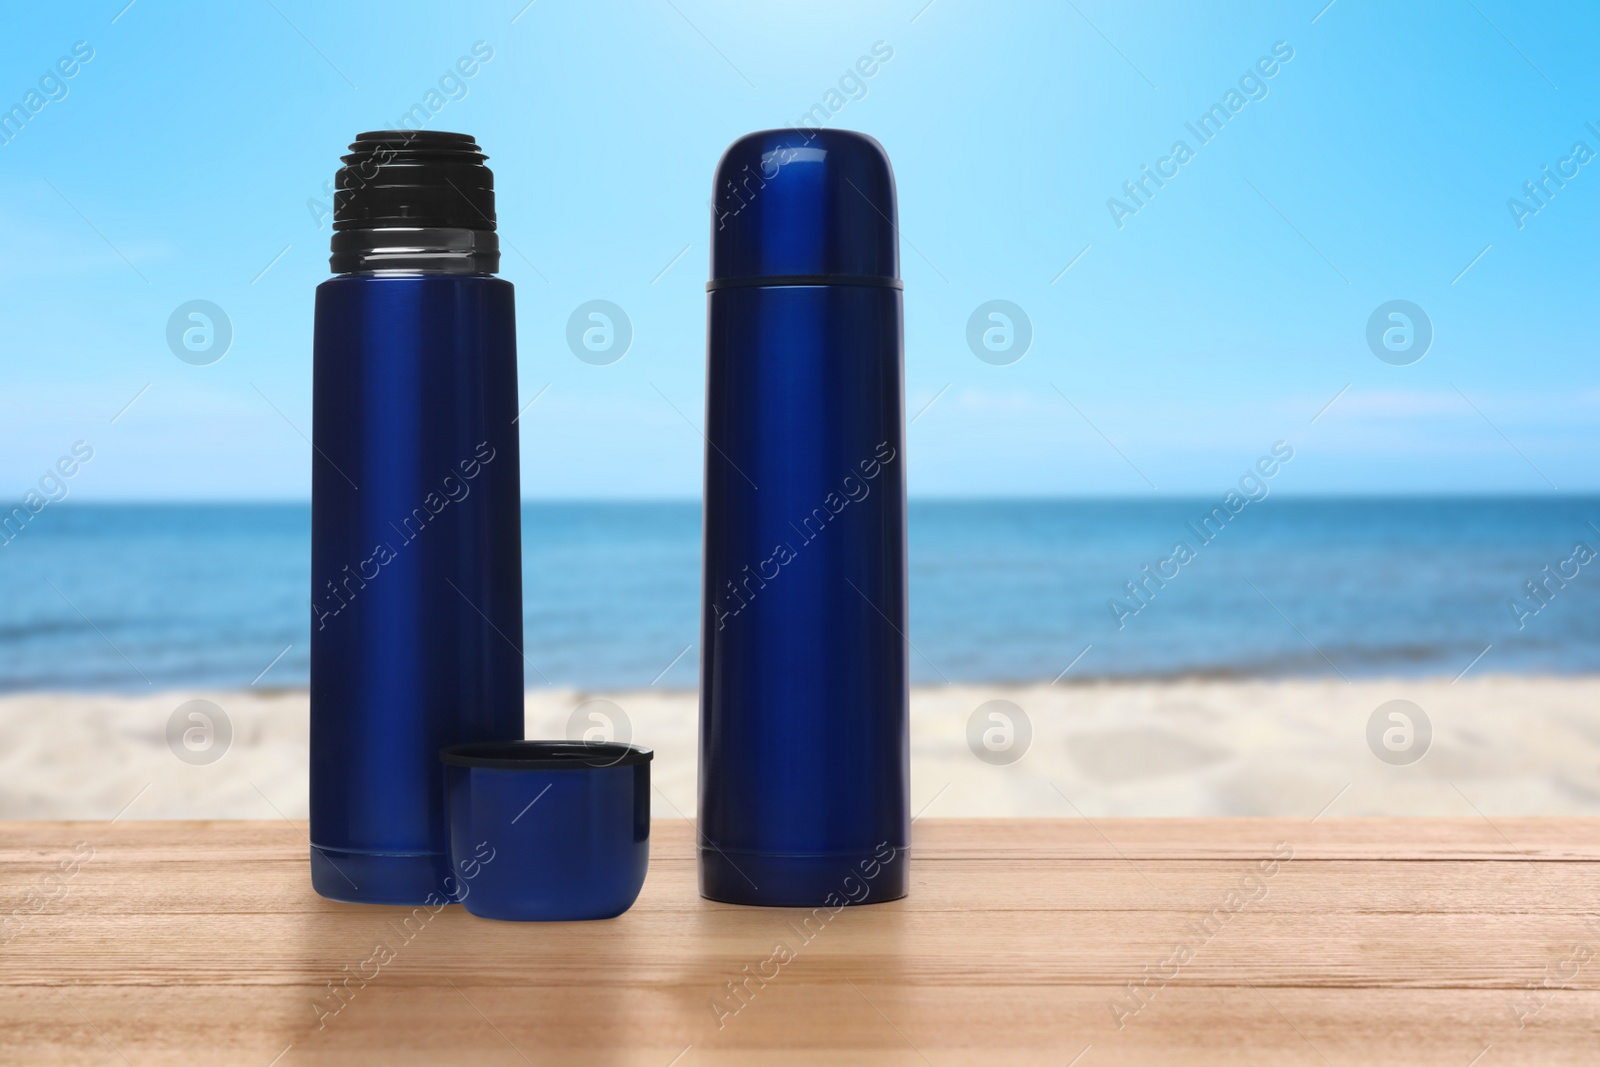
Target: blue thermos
[[416, 598], [804, 761]]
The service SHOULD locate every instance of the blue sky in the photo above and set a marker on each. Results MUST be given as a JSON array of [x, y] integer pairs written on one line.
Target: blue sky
[[181, 161]]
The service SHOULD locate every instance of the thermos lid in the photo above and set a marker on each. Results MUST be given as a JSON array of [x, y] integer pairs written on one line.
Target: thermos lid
[[548, 831], [804, 207]]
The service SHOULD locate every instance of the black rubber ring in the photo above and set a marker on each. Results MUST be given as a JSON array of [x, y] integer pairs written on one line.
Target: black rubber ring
[[545, 755]]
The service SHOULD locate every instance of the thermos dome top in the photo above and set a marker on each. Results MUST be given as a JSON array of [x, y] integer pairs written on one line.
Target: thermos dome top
[[804, 206], [413, 178]]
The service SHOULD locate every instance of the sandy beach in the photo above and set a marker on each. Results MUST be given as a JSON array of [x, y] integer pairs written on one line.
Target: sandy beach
[[1502, 745]]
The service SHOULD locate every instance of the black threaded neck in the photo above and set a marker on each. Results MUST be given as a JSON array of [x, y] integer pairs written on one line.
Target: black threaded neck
[[413, 178], [414, 200]]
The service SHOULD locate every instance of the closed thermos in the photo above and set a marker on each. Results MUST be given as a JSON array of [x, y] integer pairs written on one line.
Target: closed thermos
[[804, 762], [416, 577]]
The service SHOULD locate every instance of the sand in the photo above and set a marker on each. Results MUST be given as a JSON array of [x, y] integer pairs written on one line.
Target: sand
[[1500, 746]]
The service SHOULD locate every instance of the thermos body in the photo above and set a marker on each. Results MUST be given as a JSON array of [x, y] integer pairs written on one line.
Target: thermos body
[[416, 563], [416, 596], [804, 740]]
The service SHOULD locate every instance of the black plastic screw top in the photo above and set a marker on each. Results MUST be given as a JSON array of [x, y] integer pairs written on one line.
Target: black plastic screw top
[[414, 200]]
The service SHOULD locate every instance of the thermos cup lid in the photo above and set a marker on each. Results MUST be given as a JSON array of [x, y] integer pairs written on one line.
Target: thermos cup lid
[[547, 830], [804, 207]]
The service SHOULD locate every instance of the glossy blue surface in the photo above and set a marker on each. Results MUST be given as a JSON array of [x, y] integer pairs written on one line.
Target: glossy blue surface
[[801, 201], [415, 567], [549, 845], [804, 766]]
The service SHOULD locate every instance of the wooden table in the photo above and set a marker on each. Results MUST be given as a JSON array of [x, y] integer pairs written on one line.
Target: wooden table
[[1427, 941]]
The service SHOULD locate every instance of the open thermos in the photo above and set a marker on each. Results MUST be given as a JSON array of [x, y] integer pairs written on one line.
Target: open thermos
[[416, 574]]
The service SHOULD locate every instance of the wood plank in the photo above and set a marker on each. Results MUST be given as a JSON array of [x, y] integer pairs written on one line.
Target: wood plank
[[1395, 941]]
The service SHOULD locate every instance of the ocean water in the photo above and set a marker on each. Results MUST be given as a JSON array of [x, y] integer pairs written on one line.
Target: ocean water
[[133, 596]]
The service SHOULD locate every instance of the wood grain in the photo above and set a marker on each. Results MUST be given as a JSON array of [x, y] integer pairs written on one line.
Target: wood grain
[[1420, 941]]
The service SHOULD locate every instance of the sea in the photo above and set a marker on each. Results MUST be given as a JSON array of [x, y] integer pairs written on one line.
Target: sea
[[134, 596]]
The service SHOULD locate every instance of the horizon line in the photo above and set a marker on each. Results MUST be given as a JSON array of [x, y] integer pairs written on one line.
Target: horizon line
[[1372, 494]]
